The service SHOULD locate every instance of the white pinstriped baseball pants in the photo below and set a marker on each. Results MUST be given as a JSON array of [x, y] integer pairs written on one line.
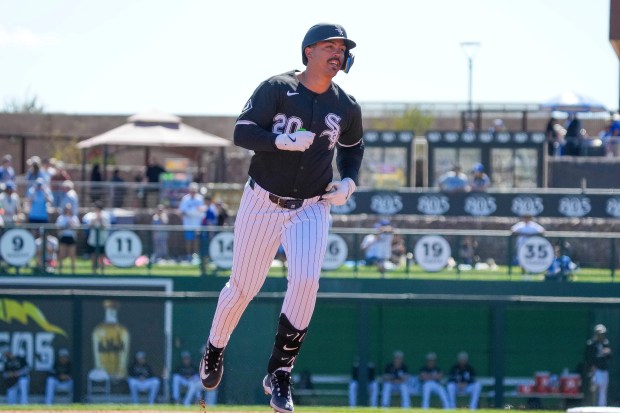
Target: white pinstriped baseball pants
[[261, 226]]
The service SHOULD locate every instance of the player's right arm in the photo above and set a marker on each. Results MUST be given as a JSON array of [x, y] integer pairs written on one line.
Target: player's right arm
[[254, 124], [255, 130]]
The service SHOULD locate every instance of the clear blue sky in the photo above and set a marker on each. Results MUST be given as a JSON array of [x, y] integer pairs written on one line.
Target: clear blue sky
[[206, 57]]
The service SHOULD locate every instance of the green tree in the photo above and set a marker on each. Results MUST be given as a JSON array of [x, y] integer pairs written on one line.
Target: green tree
[[412, 119]]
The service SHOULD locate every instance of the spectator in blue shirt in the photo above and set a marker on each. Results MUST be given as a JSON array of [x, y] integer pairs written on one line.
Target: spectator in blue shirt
[[561, 268], [454, 181], [39, 197], [69, 196], [479, 181], [7, 173]]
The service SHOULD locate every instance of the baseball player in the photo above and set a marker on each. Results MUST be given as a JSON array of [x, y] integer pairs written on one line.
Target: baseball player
[[293, 122], [598, 361]]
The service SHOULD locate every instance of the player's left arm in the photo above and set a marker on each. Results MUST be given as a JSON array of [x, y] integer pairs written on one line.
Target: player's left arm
[[349, 154]]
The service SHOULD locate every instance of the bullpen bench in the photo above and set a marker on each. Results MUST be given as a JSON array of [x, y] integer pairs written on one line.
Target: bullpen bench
[[334, 389]]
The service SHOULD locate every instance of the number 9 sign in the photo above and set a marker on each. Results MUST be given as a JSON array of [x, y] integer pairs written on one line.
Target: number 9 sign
[[535, 254], [123, 248], [432, 253], [336, 252], [17, 247]]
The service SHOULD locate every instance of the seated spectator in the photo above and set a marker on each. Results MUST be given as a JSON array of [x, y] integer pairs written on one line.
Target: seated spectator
[[160, 236], [186, 377], [7, 173], [462, 381], [67, 225], [561, 268], [479, 181], [60, 377], [396, 378], [399, 250], [39, 197], [454, 181], [373, 386], [183, 377], [467, 251], [378, 247], [498, 126], [10, 205], [141, 378], [16, 377], [50, 261], [430, 379]]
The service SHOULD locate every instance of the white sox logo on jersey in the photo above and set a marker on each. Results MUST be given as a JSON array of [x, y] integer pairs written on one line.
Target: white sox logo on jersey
[[332, 121]]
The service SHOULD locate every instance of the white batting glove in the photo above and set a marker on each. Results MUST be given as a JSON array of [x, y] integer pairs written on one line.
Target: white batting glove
[[298, 141], [338, 192]]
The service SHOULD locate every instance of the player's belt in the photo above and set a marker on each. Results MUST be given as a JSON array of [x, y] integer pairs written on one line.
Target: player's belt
[[288, 203]]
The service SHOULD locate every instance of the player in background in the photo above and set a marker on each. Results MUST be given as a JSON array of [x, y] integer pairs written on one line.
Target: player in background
[[598, 362], [293, 122]]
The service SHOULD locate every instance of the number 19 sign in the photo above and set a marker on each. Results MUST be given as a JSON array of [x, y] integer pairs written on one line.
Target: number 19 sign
[[123, 248], [432, 253]]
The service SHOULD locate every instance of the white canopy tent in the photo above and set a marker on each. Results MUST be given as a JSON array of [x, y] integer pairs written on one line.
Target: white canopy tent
[[156, 129]]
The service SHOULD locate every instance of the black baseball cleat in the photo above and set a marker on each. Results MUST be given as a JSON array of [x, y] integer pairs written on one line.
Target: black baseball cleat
[[211, 367], [278, 385]]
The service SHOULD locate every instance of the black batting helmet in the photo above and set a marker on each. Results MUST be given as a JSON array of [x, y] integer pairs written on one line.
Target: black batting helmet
[[328, 31]]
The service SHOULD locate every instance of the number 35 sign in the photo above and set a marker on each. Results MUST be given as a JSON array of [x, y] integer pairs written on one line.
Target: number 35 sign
[[535, 254]]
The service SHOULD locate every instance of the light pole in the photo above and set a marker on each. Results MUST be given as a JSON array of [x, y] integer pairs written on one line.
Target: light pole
[[470, 49]]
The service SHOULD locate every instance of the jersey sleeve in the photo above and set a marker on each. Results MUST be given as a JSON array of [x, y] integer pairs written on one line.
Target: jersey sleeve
[[352, 136], [351, 147], [253, 127]]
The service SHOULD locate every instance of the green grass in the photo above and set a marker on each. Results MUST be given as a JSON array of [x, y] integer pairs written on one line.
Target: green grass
[[222, 408], [501, 273]]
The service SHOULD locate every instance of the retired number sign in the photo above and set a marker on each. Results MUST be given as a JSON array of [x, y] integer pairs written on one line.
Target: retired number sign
[[432, 253], [17, 247], [535, 254], [336, 252], [221, 250], [123, 248]]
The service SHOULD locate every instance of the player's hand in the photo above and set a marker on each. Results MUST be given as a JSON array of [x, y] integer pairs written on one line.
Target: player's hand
[[338, 192], [297, 141]]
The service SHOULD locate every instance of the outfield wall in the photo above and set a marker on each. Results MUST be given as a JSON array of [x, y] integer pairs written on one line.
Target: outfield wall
[[508, 328], [537, 336]]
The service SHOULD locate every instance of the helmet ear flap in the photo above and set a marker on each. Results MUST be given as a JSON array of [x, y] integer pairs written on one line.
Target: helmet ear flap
[[348, 61]]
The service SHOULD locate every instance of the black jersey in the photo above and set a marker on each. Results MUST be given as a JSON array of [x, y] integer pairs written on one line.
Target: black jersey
[[140, 371], [462, 374], [598, 354], [60, 370], [282, 104], [186, 370], [11, 366]]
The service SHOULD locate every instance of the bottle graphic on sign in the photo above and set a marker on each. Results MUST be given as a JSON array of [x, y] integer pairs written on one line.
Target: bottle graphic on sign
[[111, 342]]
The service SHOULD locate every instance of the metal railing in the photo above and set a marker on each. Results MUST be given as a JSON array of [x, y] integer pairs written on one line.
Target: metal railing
[[166, 251]]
